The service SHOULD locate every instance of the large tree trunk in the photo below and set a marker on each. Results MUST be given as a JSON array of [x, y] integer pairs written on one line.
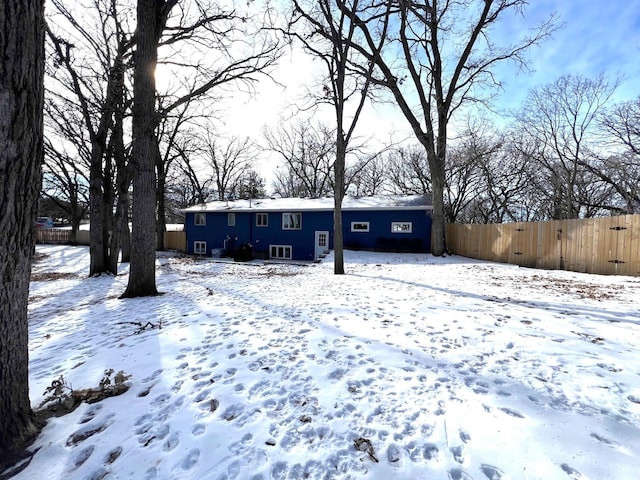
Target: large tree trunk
[[161, 223], [21, 157], [142, 272], [338, 196]]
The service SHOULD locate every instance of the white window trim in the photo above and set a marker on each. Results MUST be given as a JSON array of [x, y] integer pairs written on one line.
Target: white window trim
[[231, 219], [202, 217], [366, 229], [265, 216], [291, 214], [284, 256], [199, 247], [399, 227]]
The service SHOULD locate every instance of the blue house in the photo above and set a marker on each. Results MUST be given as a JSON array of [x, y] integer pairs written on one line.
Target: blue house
[[302, 228]]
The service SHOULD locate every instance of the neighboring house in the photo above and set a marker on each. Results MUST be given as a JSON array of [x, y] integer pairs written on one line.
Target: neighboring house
[[302, 228]]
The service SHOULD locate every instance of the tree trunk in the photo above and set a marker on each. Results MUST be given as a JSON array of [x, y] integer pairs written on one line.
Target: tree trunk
[[142, 272], [97, 245], [122, 186], [438, 246], [338, 196], [21, 157], [161, 223], [126, 233]]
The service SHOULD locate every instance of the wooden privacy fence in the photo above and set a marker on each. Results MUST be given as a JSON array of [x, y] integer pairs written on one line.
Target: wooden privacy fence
[[609, 246], [61, 236], [175, 241]]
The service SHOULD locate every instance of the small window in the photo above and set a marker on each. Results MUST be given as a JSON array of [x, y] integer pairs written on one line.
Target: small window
[[231, 219], [200, 219], [280, 251], [262, 219], [291, 221], [200, 248], [401, 227], [359, 226]]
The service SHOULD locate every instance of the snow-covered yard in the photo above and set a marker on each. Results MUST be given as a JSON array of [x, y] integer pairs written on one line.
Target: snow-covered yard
[[407, 367]]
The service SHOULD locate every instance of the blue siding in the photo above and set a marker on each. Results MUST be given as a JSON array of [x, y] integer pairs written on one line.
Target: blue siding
[[218, 235], [380, 236]]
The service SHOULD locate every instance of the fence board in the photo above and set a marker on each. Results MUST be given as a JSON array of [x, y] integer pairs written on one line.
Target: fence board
[[596, 245]]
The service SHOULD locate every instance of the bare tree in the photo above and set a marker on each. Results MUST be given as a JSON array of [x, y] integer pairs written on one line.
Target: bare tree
[[473, 150], [308, 153], [447, 57], [507, 193], [369, 177], [622, 122], [88, 65], [560, 118], [408, 170], [621, 171], [227, 161], [152, 17], [21, 157], [190, 181], [328, 34], [65, 183]]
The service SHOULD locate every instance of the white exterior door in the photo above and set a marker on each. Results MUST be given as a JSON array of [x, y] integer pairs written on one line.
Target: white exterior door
[[322, 244]]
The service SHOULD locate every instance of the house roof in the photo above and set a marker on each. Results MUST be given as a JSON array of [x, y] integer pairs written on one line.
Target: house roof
[[379, 202]]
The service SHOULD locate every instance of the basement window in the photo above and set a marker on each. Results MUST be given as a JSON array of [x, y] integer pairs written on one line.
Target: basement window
[[280, 251], [200, 248]]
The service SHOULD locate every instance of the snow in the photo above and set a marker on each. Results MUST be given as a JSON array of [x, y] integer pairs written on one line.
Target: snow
[[377, 202], [407, 367]]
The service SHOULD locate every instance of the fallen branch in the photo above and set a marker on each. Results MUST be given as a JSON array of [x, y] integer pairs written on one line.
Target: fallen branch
[[142, 327]]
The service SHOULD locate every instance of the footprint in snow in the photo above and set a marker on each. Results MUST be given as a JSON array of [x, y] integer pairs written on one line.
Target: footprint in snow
[[171, 442], [113, 455], [431, 452], [394, 454], [491, 472], [89, 430], [91, 412], [191, 459], [457, 453], [511, 413], [198, 429], [458, 474], [152, 377], [99, 474], [279, 471], [573, 473], [161, 400], [83, 456]]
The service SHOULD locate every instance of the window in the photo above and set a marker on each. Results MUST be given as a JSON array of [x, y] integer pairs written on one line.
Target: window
[[262, 219], [231, 219], [359, 226], [200, 248], [280, 251], [291, 221], [200, 219], [401, 227]]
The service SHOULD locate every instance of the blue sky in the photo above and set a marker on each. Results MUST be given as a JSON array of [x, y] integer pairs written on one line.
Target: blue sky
[[597, 37]]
